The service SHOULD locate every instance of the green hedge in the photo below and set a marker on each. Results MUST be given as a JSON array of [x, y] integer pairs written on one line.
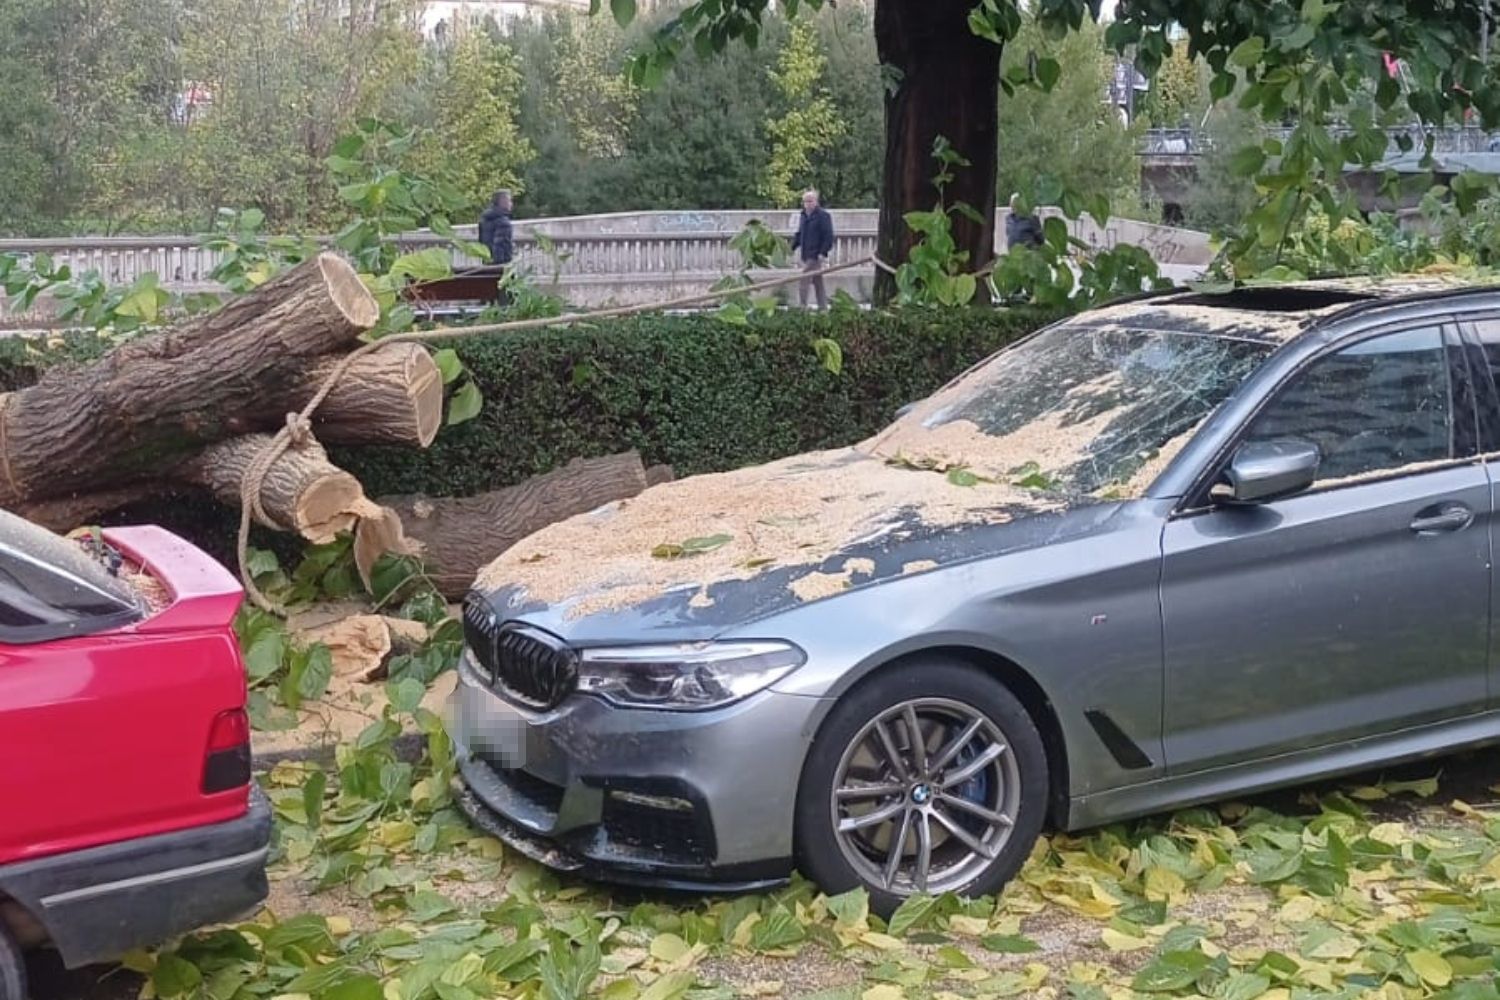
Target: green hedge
[[690, 391]]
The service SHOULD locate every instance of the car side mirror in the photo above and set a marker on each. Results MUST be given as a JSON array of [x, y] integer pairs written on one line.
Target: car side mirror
[[1262, 471]]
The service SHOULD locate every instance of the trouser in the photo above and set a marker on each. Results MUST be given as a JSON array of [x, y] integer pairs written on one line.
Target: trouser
[[813, 271]]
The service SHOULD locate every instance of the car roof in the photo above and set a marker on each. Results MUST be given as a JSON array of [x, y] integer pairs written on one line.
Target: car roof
[[1276, 313]]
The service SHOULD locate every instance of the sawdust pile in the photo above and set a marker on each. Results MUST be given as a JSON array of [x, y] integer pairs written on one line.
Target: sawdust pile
[[799, 511], [152, 592]]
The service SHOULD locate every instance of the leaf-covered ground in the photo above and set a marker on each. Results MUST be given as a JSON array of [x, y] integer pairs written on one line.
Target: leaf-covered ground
[[381, 892]]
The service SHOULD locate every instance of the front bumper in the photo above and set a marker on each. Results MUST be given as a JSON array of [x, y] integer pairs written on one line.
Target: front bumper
[[686, 800], [99, 903]]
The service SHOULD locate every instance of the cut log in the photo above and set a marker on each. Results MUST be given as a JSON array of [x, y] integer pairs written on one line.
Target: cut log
[[460, 536], [142, 409], [658, 474], [390, 396], [66, 513], [302, 491]]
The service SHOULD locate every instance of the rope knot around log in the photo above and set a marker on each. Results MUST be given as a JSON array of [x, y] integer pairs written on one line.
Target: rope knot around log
[[299, 431]]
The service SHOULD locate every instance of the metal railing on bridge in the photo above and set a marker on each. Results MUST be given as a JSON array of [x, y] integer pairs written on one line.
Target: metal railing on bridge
[[1180, 142]]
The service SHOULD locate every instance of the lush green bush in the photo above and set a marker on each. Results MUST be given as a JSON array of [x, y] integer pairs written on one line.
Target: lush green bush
[[691, 391]]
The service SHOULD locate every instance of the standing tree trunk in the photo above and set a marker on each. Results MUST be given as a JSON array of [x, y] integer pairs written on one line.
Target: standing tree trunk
[[945, 83]]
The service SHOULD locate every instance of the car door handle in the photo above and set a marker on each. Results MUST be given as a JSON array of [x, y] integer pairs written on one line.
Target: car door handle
[[1441, 518]]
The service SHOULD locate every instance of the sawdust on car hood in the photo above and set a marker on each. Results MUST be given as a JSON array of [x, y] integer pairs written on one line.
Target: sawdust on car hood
[[794, 513]]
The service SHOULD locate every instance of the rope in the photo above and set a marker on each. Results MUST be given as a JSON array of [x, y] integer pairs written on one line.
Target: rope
[[298, 430]]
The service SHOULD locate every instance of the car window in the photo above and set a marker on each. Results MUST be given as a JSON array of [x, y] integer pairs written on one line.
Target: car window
[[1077, 409], [1376, 407], [49, 589], [1487, 331]]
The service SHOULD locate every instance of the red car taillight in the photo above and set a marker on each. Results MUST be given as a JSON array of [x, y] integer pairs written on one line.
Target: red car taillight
[[226, 764]]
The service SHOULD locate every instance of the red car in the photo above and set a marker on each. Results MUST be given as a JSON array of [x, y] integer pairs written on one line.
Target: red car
[[127, 810]]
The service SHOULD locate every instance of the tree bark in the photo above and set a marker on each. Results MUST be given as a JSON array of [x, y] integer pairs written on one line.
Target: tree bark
[[390, 396], [149, 405], [459, 537], [66, 513], [947, 84], [302, 491]]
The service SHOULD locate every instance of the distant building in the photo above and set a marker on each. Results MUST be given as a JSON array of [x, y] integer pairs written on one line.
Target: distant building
[[439, 17]]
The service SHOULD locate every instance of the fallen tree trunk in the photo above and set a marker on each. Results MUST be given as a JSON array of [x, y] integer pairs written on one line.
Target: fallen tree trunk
[[302, 490], [144, 408], [390, 396], [459, 536], [66, 513]]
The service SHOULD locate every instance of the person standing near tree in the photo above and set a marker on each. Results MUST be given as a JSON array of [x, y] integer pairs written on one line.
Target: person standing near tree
[[495, 229], [1021, 230], [814, 240]]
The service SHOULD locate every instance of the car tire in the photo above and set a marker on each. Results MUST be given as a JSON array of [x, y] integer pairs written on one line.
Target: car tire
[[12, 967], [976, 815]]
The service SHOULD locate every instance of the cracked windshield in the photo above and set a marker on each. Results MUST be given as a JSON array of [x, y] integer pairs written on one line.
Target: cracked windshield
[[1078, 410]]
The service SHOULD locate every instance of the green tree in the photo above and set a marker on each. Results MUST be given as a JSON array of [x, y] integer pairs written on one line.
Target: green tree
[[1179, 92], [808, 121], [1066, 138], [847, 172], [591, 90], [473, 136], [1299, 59], [1218, 197], [286, 79], [699, 140], [77, 79]]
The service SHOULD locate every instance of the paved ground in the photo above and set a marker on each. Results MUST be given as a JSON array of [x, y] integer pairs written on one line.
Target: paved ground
[[1467, 776]]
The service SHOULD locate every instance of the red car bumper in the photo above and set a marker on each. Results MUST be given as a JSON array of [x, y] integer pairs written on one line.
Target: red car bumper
[[96, 904]]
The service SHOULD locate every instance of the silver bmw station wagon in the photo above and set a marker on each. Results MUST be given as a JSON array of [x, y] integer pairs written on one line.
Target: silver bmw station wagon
[[1178, 548]]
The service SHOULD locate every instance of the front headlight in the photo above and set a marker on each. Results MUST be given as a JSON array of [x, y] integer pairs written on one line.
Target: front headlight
[[685, 676]]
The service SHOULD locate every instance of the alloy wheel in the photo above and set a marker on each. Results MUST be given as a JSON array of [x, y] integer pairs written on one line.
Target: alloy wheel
[[925, 796]]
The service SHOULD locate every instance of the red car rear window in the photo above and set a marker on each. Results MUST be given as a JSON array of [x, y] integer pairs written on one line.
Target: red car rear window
[[50, 588]]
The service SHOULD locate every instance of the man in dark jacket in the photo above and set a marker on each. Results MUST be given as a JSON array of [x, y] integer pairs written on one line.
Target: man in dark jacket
[[815, 241], [495, 229], [1022, 230]]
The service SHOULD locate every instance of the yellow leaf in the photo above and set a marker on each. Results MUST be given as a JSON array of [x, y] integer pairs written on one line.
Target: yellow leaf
[[1369, 793], [392, 989], [1431, 967], [884, 991], [1299, 909], [668, 947], [1390, 834], [1116, 941], [671, 986], [877, 940], [741, 937], [762, 988], [1036, 975], [621, 989], [396, 833], [1342, 946], [489, 848], [339, 926], [969, 926], [1163, 884]]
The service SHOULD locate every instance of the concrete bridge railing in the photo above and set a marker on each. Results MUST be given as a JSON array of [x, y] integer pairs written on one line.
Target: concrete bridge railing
[[1190, 142], [623, 258]]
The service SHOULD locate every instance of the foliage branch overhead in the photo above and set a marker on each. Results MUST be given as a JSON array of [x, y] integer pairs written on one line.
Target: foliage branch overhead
[[1292, 61]]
